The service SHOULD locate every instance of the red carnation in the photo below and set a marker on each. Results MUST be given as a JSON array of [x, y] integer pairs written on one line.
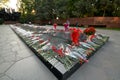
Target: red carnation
[[58, 51]]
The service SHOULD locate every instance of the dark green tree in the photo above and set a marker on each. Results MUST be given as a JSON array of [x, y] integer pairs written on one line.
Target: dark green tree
[[84, 8], [116, 4], [27, 8], [104, 8], [50, 9]]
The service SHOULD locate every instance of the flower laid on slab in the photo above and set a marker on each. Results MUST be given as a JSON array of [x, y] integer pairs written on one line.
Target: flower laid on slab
[[41, 41], [91, 37], [89, 31], [58, 51], [66, 46], [75, 36]]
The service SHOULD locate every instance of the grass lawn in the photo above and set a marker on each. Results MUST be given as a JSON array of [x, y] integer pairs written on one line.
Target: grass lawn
[[117, 29]]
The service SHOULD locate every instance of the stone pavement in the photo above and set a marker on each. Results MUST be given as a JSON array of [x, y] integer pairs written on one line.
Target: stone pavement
[[18, 62]]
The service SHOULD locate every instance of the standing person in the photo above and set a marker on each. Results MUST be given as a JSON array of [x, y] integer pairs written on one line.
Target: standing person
[[66, 26], [49, 22], [68, 22], [77, 24], [54, 25]]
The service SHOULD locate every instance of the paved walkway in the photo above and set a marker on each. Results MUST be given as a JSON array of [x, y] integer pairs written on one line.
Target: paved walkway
[[18, 62]]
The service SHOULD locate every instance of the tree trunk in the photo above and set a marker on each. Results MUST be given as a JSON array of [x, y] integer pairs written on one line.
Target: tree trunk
[[104, 13]]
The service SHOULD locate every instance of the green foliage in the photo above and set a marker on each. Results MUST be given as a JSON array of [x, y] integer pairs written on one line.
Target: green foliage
[[3, 3], [22, 19], [50, 9], [83, 8], [62, 8], [27, 6], [27, 18], [1, 21]]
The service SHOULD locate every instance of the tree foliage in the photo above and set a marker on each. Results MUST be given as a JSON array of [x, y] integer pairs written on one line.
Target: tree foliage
[[27, 6], [50, 9], [3, 3]]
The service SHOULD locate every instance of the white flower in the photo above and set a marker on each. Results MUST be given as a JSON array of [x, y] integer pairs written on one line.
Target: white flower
[[46, 47]]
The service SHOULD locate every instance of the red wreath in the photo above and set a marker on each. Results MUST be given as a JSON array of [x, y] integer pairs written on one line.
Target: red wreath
[[89, 31]]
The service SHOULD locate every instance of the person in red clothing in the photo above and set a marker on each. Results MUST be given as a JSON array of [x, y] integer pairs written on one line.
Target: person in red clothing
[[65, 26], [54, 25]]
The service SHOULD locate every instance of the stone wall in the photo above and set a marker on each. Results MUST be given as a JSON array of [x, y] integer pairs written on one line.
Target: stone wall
[[109, 22], [10, 22]]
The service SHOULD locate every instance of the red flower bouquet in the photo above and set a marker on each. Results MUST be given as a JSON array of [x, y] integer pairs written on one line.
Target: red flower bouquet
[[58, 51], [75, 36], [89, 31]]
